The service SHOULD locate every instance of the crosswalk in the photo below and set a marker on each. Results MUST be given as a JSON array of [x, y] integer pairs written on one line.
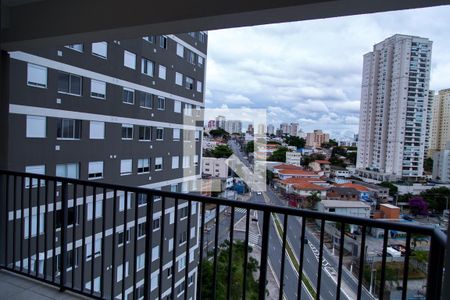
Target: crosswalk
[[253, 238], [241, 210]]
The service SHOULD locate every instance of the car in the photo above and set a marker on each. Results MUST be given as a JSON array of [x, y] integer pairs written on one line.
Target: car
[[258, 193]]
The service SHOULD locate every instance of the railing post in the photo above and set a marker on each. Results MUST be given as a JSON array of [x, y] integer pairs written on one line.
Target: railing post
[[435, 269], [63, 246], [3, 219], [446, 285], [264, 256]]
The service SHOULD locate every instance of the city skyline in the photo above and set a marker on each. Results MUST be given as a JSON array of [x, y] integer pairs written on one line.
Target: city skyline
[[299, 80]]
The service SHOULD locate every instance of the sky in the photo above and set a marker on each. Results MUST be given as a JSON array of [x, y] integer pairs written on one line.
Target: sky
[[310, 71]]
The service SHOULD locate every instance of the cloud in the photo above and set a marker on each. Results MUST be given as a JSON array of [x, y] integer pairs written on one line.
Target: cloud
[[310, 71]]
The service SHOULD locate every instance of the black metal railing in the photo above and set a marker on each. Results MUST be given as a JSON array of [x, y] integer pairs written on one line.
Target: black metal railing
[[110, 241]]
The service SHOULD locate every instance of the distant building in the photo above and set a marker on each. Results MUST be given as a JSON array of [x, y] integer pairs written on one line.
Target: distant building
[[294, 158], [340, 172], [261, 129], [233, 126], [211, 124], [317, 138], [440, 125], [394, 99], [279, 132], [342, 193], [429, 124], [301, 134], [320, 165], [441, 165], [250, 129], [347, 208], [285, 128], [220, 122], [293, 129], [285, 174], [270, 129], [215, 167]]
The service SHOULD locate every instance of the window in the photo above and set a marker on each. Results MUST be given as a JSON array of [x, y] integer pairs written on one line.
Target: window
[[176, 134], [100, 49], [180, 50], [190, 57], [127, 131], [191, 279], [196, 160], [174, 188], [120, 274], [121, 238], [170, 245], [95, 170], [149, 38], [34, 225], [189, 83], [156, 224], [155, 253], [159, 134], [202, 37], [178, 78], [175, 162], [38, 169], [154, 281], [76, 47], [186, 161], [68, 170], [197, 135], [162, 72], [147, 67], [146, 100], [177, 106], [122, 202], [129, 60], [199, 86], [158, 163], [125, 166], [200, 61], [37, 76], [145, 133], [98, 89], [69, 84], [68, 129], [169, 271], [96, 285], [192, 34], [192, 233], [72, 258], [182, 238], [36, 127], [163, 42], [161, 103], [141, 199], [188, 109], [128, 96], [141, 230], [143, 165], [181, 263], [96, 130], [98, 209], [97, 248], [140, 261], [184, 212], [139, 292]]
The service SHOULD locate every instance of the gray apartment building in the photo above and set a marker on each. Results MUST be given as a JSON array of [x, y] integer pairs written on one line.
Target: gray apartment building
[[118, 112]]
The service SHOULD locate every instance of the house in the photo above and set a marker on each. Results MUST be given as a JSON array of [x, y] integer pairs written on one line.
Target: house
[[364, 192], [348, 208], [277, 168], [340, 172], [320, 165], [307, 188], [290, 173], [343, 193]]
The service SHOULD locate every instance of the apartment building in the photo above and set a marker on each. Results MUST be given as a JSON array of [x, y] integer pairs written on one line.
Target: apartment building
[[119, 112], [393, 113], [317, 138], [293, 129], [233, 126], [441, 165], [270, 129], [440, 123]]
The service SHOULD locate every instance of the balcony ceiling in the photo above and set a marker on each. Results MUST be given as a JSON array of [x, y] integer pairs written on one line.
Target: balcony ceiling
[[44, 23]]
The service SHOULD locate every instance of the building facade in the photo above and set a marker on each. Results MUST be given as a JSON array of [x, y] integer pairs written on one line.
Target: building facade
[[294, 129], [316, 138], [233, 126], [441, 165], [294, 158], [270, 129], [393, 113], [114, 112], [440, 124]]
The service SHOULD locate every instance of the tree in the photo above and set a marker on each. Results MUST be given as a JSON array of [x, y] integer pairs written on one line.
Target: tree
[[393, 190], [269, 177], [220, 151], [250, 147], [219, 133], [237, 273], [331, 143], [418, 206], [295, 141], [313, 199], [279, 155], [437, 198], [428, 164], [310, 158]]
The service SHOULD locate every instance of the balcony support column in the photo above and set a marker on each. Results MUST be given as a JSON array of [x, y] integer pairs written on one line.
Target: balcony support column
[[446, 284], [4, 104]]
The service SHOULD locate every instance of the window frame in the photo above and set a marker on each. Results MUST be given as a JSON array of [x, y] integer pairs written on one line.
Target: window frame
[[40, 69]]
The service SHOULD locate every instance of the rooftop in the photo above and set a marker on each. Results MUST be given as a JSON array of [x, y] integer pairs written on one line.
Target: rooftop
[[357, 187], [343, 204]]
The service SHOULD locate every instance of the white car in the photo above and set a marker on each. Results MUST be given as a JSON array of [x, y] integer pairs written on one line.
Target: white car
[[258, 193]]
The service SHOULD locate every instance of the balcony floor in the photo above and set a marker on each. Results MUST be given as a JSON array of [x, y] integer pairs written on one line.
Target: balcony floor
[[16, 287]]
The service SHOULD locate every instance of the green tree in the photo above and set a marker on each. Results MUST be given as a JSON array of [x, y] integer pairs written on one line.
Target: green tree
[[295, 141], [237, 273], [250, 147], [310, 158], [428, 164], [269, 177], [437, 198], [331, 143], [219, 133], [393, 190], [221, 151], [313, 199], [279, 155]]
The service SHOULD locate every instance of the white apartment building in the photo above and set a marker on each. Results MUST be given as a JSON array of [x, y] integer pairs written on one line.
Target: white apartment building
[[294, 129], [394, 101], [293, 158], [429, 123], [441, 165], [440, 125], [285, 128], [233, 126], [214, 167]]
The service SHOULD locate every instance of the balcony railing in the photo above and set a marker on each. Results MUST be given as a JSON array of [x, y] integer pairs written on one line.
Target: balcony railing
[[83, 230]]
